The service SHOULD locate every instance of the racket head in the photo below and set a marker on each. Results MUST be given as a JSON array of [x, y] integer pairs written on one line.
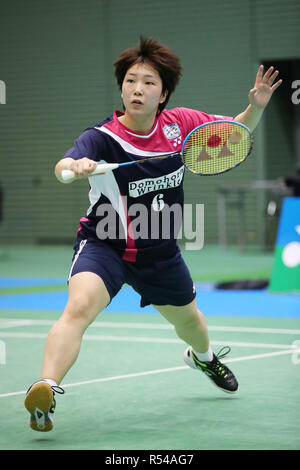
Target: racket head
[[216, 147]]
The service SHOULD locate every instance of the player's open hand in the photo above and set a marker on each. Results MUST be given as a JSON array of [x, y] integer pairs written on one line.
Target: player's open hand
[[264, 87]]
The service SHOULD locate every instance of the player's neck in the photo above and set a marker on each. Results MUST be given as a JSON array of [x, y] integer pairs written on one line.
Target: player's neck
[[142, 125]]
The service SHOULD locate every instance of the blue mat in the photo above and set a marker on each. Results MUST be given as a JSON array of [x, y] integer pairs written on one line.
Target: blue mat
[[254, 303], [31, 282]]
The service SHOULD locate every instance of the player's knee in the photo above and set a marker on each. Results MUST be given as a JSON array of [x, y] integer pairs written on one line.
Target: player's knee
[[80, 307]]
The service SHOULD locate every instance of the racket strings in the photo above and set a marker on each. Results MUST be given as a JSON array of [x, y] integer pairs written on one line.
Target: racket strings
[[215, 148]]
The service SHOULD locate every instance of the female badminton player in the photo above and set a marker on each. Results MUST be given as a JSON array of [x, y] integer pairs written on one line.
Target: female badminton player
[[110, 250]]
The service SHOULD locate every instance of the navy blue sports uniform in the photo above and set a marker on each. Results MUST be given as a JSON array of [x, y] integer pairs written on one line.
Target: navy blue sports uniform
[[124, 236]]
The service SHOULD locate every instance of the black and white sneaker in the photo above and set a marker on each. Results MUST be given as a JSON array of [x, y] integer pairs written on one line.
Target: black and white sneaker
[[217, 372], [40, 403]]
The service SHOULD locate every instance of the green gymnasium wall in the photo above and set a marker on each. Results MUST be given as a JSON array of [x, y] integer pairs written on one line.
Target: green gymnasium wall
[[57, 63]]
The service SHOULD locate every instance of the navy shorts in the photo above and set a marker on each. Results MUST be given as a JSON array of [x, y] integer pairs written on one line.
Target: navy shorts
[[160, 281]]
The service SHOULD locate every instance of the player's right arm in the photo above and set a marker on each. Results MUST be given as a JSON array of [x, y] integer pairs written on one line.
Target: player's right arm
[[81, 167]]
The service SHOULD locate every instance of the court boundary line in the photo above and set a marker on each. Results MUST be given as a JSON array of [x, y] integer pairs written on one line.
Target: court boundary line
[[147, 339], [16, 322], [157, 371]]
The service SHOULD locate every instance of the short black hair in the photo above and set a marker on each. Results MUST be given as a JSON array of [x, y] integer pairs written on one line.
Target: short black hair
[[161, 58]]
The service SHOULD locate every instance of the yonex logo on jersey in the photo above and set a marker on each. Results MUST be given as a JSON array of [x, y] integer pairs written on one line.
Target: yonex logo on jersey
[[147, 185], [171, 131], [177, 141]]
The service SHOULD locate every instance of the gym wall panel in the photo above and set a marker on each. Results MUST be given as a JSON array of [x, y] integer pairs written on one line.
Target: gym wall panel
[[53, 64], [277, 29], [57, 62]]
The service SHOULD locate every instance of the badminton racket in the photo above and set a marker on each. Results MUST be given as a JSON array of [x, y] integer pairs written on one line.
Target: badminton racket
[[210, 149]]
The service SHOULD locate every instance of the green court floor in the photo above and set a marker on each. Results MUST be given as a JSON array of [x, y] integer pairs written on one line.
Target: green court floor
[[130, 389], [211, 263]]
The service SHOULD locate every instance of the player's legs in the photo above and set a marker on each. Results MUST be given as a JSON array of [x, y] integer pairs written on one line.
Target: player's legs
[[172, 293], [95, 278], [189, 322], [87, 297], [190, 326], [166, 283]]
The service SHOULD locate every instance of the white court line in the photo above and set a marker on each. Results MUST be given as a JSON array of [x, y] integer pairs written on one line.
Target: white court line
[[145, 339], [150, 372], [14, 323]]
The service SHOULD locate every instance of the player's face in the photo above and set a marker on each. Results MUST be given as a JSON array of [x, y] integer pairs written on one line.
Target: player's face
[[142, 91]]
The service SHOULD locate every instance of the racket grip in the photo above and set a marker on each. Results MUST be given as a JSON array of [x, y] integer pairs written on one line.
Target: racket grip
[[69, 175], [104, 167]]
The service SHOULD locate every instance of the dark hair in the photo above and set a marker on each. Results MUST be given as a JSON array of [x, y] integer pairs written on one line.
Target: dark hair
[[161, 58]]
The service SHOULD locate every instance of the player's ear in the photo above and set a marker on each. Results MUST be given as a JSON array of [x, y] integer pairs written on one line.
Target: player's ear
[[163, 97]]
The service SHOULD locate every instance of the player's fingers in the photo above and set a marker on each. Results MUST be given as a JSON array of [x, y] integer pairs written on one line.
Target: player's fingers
[[252, 93], [79, 168], [268, 74], [84, 167], [92, 166], [85, 164], [272, 77], [259, 74], [276, 85]]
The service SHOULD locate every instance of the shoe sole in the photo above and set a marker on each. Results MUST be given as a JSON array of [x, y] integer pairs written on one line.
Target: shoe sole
[[38, 402], [190, 362]]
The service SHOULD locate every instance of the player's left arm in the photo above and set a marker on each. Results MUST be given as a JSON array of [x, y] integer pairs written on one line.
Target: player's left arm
[[259, 97]]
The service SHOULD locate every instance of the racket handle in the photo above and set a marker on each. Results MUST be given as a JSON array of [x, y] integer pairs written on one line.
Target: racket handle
[[69, 175]]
